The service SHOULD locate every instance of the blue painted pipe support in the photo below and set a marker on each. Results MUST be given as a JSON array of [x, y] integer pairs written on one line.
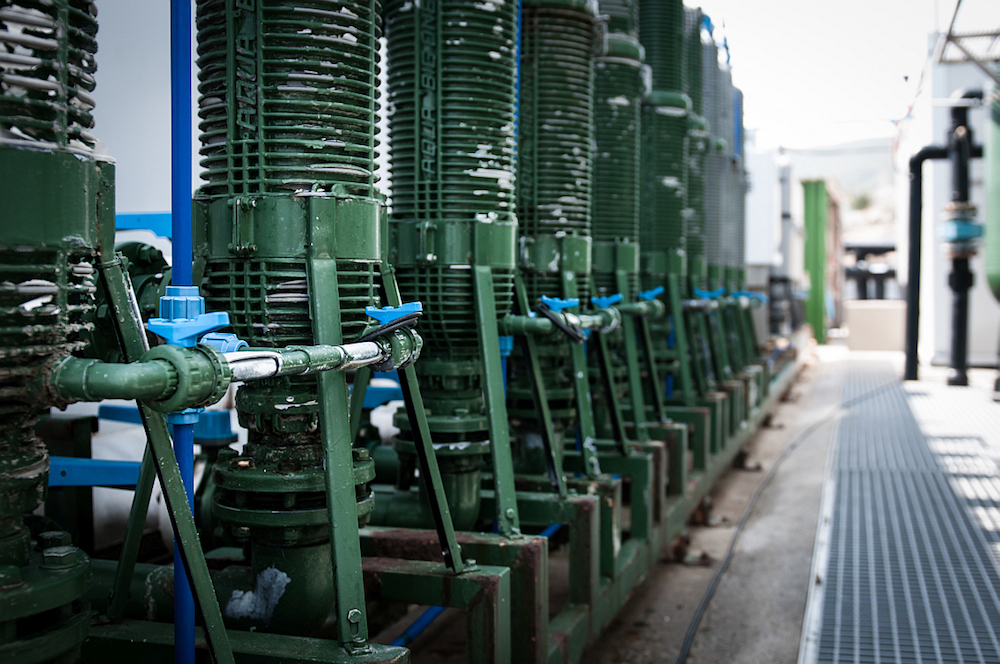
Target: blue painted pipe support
[[182, 275], [71, 471]]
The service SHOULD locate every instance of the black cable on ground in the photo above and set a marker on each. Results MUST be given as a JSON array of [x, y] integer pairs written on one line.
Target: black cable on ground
[[799, 438]]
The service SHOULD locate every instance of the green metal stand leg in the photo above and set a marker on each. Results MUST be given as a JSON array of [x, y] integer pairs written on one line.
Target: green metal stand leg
[[341, 498], [539, 393], [608, 379], [361, 379], [680, 338], [637, 399], [160, 453], [655, 379], [581, 385], [425, 446], [496, 407]]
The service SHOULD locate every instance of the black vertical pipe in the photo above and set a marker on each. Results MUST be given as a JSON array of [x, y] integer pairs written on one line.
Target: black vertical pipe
[[961, 279], [913, 257]]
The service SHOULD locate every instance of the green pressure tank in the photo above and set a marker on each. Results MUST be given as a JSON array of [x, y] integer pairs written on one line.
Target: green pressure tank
[[621, 82], [554, 183], [288, 237], [58, 211], [623, 16], [661, 31], [665, 144], [665, 159], [714, 164], [991, 216], [698, 141], [452, 83]]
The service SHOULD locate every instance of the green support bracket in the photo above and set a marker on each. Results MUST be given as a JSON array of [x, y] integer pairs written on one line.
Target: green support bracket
[[159, 453], [496, 408], [483, 592], [581, 387], [153, 643], [526, 558], [337, 437], [424, 445], [360, 386], [686, 386], [553, 455], [631, 352]]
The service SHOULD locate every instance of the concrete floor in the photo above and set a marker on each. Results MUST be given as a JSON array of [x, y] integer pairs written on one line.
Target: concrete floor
[[757, 609]]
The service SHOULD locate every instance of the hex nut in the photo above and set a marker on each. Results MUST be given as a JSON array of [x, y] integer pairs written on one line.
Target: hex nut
[[51, 538], [59, 557]]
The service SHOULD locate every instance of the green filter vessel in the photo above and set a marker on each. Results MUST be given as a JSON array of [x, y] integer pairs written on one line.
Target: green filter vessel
[[991, 216], [555, 150], [620, 85], [621, 82], [698, 142], [715, 163], [452, 107], [289, 240], [665, 144], [58, 198]]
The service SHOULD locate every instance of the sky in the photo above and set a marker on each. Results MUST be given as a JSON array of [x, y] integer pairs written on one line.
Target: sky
[[822, 73]]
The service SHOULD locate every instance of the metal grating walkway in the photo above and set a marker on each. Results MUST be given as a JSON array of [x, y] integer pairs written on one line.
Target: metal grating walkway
[[907, 552]]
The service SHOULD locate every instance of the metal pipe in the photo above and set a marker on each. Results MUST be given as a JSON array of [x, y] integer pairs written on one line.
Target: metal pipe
[[913, 257], [76, 379]]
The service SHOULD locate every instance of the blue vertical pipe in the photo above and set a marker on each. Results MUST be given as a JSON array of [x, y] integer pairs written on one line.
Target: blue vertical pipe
[[181, 275], [180, 140]]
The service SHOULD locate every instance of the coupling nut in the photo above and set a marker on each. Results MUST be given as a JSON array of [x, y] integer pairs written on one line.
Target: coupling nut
[[203, 376]]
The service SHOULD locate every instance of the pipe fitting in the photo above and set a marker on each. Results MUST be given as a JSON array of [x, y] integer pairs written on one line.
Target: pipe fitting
[[203, 376]]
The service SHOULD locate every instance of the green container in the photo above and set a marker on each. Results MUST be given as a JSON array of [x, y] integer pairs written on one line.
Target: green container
[[288, 138], [991, 215], [623, 16], [452, 81], [452, 95], [554, 180], [620, 84], [665, 168], [661, 32], [58, 198]]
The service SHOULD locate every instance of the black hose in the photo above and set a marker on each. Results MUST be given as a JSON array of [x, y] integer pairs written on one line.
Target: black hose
[[409, 320], [800, 438]]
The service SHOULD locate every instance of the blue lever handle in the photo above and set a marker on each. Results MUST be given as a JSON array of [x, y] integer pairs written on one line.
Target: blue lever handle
[[651, 294], [558, 304], [709, 295], [386, 315], [607, 300]]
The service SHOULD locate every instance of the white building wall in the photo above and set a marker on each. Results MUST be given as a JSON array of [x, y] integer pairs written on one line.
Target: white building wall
[[763, 206]]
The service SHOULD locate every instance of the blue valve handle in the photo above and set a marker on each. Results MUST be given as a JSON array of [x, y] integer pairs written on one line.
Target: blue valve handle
[[606, 301], [386, 315], [183, 319], [709, 295], [651, 294], [558, 304]]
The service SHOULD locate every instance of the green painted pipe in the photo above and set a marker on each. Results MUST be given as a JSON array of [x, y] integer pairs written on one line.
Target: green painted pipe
[[76, 379]]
